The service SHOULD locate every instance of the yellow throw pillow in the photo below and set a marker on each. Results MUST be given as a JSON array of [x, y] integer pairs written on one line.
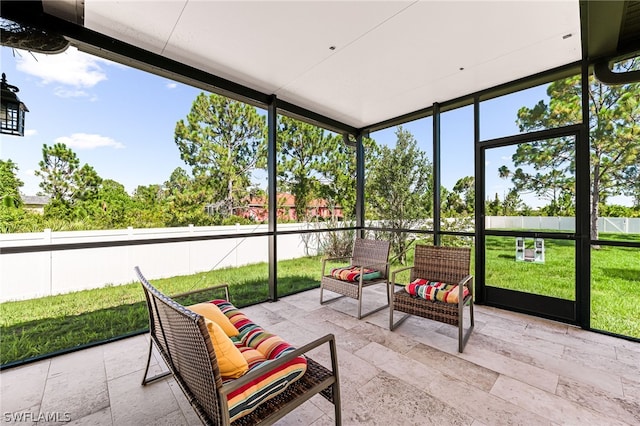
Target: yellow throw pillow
[[213, 313], [230, 361]]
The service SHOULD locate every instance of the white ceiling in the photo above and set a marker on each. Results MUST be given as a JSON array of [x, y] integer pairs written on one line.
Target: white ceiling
[[390, 57]]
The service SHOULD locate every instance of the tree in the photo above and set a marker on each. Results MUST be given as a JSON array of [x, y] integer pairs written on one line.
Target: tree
[[399, 188], [512, 204], [113, 203], [72, 189], [492, 208], [57, 170], [186, 200], [301, 150], [614, 136], [86, 183], [10, 184], [461, 200], [222, 140], [632, 176], [338, 174]]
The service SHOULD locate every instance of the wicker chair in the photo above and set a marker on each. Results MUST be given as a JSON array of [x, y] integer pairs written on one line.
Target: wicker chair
[[444, 264], [372, 254], [183, 341]]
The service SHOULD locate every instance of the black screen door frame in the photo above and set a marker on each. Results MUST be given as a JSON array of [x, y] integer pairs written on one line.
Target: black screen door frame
[[568, 311]]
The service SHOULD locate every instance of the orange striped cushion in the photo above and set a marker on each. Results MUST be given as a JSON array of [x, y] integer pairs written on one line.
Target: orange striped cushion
[[259, 348]]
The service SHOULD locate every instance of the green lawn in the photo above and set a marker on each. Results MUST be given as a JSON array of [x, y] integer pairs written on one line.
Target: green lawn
[[39, 326]]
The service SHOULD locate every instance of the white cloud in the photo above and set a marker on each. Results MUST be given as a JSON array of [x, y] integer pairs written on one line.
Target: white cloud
[[72, 68], [171, 85], [505, 158], [30, 132], [66, 93], [30, 172], [487, 162], [87, 141]]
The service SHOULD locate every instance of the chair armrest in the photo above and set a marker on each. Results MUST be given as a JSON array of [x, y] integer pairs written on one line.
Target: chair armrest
[[468, 282], [327, 259], [393, 274], [252, 375]]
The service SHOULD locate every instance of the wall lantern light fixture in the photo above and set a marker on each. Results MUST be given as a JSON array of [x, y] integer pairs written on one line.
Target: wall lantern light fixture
[[12, 110]]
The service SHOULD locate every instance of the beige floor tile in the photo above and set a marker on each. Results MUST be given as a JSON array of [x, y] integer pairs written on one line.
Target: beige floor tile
[[132, 403], [126, 355], [452, 366], [505, 365], [481, 405], [554, 334], [547, 404], [629, 355], [387, 400], [397, 365], [621, 408], [187, 410], [324, 421], [499, 331], [531, 359], [99, 418], [77, 384], [306, 414], [21, 388], [631, 387], [24, 417], [516, 369], [606, 364]]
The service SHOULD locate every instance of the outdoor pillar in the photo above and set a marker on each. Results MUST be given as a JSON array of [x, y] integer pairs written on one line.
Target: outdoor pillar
[[583, 210], [436, 174], [480, 259], [272, 126], [360, 184]]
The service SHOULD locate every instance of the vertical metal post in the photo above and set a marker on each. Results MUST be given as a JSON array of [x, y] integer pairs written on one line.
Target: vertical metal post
[[479, 171], [272, 128], [436, 175], [360, 185], [583, 210]]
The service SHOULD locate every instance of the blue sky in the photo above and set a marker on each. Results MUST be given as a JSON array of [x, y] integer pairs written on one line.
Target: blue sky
[[121, 121]]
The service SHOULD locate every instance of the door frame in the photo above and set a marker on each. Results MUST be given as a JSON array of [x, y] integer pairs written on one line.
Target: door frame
[[568, 311]]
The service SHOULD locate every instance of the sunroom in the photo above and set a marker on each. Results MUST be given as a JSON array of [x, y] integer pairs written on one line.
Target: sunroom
[[394, 86]]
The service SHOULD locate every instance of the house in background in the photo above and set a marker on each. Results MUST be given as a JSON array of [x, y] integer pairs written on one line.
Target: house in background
[[35, 203], [257, 209]]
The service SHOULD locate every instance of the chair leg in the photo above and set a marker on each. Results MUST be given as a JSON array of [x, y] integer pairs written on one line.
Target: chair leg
[[145, 380], [463, 338], [360, 298], [322, 302], [360, 314]]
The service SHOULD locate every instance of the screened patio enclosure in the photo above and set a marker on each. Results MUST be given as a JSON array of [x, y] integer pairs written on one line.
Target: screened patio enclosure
[[356, 68]]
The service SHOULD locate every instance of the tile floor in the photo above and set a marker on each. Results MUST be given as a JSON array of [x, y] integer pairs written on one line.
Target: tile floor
[[515, 369]]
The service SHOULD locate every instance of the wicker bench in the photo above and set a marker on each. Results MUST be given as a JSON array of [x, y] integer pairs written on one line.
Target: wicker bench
[[182, 339], [442, 264]]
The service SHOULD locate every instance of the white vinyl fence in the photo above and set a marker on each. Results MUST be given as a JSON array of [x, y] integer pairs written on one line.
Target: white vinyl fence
[[31, 275], [623, 225]]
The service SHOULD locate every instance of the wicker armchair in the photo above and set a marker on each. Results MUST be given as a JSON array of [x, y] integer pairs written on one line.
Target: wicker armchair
[[444, 264], [183, 341], [369, 254]]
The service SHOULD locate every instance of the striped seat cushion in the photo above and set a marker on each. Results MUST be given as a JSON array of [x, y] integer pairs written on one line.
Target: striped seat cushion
[[259, 348], [435, 291], [352, 273]]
